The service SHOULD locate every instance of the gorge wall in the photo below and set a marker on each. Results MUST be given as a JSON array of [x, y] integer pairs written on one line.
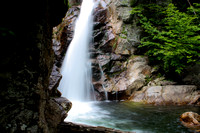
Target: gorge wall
[[117, 64], [26, 63]]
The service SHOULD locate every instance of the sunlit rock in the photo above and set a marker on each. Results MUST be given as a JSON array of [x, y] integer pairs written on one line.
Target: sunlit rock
[[191, 120], [170, 94], [131, 77]]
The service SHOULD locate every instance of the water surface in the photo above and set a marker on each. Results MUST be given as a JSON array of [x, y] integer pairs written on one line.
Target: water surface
[[129, 116]]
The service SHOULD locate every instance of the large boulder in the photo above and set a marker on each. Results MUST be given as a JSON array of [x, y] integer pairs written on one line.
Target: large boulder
[[129, 77], [56, 111], [170, 94]]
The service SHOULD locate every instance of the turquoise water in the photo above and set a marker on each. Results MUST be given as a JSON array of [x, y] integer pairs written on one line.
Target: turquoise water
[[129, 116]]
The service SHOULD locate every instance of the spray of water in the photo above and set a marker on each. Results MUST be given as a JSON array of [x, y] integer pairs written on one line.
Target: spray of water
[[76, 82]]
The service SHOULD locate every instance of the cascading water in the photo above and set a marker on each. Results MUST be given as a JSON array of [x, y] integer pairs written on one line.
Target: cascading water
[[76, 82], [102, 79], [128, 116]]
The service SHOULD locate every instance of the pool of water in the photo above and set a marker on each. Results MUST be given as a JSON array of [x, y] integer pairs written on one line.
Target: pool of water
[[130, 116]]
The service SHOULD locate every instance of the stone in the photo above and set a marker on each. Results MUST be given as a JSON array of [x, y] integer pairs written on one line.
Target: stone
[[124, 47], [129, 76], [107, 40], [168, 95], [56, 111], [191, 120], [133, 33], [100, 15], [73, 127], [161, 82], [154, 94], [135, 85], [54, 81], [125, 15], [103, 59]]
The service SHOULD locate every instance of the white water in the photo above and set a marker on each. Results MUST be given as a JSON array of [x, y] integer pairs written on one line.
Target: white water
[[76, 82]]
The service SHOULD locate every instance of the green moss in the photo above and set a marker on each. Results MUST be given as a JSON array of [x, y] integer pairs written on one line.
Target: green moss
[[115, 43]]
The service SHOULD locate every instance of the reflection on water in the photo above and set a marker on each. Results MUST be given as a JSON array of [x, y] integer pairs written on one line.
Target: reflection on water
[[129, 116]]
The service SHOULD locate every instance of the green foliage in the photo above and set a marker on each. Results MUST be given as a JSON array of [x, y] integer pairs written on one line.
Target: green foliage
[[6, 32], [115, 43], [65, 2], [69, 5], [148, 79], [171, 37]]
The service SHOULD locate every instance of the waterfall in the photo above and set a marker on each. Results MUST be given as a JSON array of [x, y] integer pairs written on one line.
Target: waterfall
[[76, 83], [102, 80]]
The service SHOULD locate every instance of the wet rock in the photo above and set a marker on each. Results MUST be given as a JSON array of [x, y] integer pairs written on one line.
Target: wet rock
[[56, 111], [79, 128], [63, 34], [191, 120], [103, 59], [170, 94], [100, 16], [54, 81], [100, 96], [106, 42]]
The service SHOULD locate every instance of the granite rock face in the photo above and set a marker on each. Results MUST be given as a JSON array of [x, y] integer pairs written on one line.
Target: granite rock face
[[129, 77], [117, 67]]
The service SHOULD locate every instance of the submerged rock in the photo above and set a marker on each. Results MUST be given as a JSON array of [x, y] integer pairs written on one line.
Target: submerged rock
[[191, 120]]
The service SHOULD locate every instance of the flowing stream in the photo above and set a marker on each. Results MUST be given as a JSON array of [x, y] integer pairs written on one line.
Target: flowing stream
[[130, 116], [77, 87]]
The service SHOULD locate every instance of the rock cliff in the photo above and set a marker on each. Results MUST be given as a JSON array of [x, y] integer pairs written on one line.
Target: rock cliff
[[118, 66], [26, 63]]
